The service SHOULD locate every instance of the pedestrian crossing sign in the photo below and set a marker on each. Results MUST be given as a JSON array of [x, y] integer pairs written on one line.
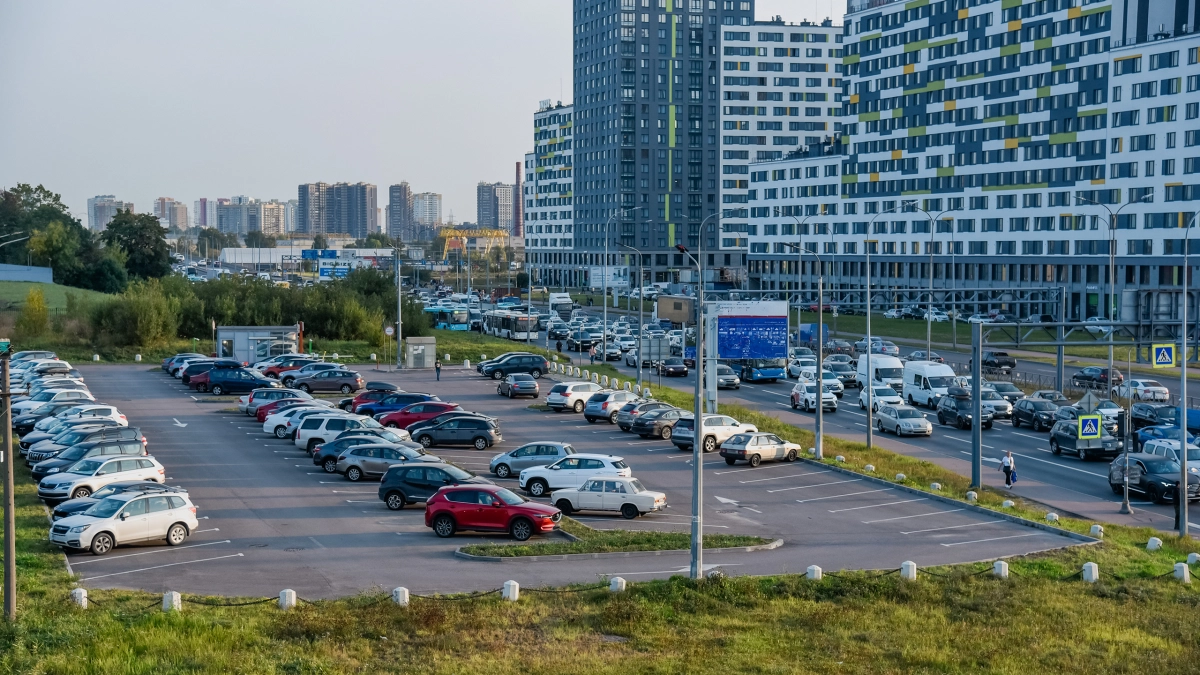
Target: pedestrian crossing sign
[[1089, 427], [1164, 356]]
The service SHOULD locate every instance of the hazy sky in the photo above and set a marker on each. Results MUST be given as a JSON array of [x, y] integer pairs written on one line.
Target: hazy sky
[[144, 99]]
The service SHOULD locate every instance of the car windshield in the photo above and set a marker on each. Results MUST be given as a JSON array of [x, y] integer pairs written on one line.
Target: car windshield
[[890, 372], [940, 382], [106, 508], [884, 391], [456, 473], [509, 497], [907, 413], [86, 467], [1043, 405]]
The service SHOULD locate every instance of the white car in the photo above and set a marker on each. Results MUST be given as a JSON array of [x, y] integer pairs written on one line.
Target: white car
[[571, 396], [126, 518], [571, 472], [1142, 390], [318, 429], [879, 396], [88, 475], [804, 396], [626, 496]]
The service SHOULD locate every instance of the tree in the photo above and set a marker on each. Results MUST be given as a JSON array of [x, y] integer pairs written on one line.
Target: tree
[[55, 244], [319, 242], [256, 239], [143, 240]]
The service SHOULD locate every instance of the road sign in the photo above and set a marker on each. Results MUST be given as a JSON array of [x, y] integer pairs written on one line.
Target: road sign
[[389, 331], [1089, 427], [1164, 356]]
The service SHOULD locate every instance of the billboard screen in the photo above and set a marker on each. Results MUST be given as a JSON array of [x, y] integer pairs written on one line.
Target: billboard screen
[[751, 329]]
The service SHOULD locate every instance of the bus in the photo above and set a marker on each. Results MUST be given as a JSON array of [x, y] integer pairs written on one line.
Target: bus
[[758, 370], [512, 325], [449, 318], [561, 304]]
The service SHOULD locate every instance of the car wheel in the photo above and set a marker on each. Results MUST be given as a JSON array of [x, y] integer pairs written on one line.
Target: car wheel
[[346, 389], [730, 461], [305, 388], [330, 466], [217, 390], [521, 529], [536, 374], [497, 375], [426, 440], [710, 444], [564, 505], [354, 474], [1082, 453], [281, 431], [80, 493], [480, 443], [538, 487], [578, 407], [1054, 449], [102, 543], [443, 526], [629, 511], [1016, 422], [503, 471], [177, 534], [666, 433], [395, 501], [755, 460]]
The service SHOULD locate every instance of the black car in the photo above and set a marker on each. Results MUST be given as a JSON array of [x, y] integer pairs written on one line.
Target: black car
[[1070, 413], [237, 380], [23, 424], [1151, 414], [956, 408], [1095, 376], [1064, 437], [412, 483], [581, 340], [1036, 413], [531, 364], [672, 367], [660, 423], [1152, 475], [74, 506]]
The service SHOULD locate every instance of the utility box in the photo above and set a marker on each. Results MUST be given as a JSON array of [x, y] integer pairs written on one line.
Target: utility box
[[420, 352]]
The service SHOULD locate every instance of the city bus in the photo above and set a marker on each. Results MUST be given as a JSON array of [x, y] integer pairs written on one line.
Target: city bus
[[454, 317], [511, 325]]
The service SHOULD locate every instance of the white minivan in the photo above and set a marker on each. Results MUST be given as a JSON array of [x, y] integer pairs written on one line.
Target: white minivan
[[926, 381], [888, 372]]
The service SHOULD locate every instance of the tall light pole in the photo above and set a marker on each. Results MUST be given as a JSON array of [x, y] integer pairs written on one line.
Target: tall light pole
[[641, 330], [819, 429], [697, 566], [929, 300], [1183, 408]]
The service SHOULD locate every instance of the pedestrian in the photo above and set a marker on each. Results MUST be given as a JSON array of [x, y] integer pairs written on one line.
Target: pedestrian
[[437, 369], [1009, 466]]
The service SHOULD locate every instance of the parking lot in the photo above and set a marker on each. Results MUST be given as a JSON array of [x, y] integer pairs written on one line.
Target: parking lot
[[271, 519]]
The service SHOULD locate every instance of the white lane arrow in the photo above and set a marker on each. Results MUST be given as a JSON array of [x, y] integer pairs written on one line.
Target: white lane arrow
[[724, 500], [178, 423]]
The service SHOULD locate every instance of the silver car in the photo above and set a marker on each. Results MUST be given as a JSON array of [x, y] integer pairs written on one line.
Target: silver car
[[902, 420], [508, 464]]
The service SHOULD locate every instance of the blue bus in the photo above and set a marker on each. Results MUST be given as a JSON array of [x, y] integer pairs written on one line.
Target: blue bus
[[759, 370], [449, 318]]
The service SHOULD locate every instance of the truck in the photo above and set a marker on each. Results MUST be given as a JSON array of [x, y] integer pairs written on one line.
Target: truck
[[808, 332]]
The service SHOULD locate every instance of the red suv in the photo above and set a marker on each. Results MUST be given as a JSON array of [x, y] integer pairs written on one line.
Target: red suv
[[488, 508], [417, 412]]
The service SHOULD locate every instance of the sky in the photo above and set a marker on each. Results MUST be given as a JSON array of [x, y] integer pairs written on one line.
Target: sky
[[144, 99]]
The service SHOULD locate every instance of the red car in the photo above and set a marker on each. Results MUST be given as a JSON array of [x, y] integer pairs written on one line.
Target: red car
[[488, 508], [275, 369], [264, 411], [417, 412]]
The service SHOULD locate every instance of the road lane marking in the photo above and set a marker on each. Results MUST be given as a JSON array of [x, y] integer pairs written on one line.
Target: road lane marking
[[146, 569], [873, 506], [160, 550], [955, 527], [980, 541], [848, 494]]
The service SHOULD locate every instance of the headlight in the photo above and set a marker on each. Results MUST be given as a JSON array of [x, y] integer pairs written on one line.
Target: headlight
[[79, 528]]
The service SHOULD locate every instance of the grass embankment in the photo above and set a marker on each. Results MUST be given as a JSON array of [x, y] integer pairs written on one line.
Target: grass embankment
[[611, 541]]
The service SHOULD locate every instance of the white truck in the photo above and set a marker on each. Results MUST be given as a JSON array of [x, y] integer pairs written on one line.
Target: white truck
[[925, 382], [887, 371]]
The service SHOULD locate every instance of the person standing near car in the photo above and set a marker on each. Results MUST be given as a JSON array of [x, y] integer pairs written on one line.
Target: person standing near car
[[1009, 466], [437, 370]]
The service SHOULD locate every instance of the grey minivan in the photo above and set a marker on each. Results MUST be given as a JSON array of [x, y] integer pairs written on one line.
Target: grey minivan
[[508, 464]]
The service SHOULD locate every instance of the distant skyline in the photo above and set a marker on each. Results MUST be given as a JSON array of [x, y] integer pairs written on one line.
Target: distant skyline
[[144, 99]]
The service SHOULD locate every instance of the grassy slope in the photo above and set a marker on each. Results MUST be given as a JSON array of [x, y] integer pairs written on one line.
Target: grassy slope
[[13, 294]]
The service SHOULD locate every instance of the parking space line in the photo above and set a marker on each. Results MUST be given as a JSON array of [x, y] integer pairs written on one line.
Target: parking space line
[[805, 487], [955, 527], [980, 541], [146, 569], [918, 515], [790, 475], [848, 494], [157, 550], [872, 506]]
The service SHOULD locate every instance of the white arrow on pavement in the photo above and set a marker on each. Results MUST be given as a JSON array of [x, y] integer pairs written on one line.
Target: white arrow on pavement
[[725, 500], [178, 423]]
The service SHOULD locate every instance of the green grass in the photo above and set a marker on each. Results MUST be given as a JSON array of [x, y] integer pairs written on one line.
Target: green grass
[[610, 541], [13, 294]]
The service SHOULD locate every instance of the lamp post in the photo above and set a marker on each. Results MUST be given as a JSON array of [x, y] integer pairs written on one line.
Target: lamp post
[[641, 330], [929, 299], [870, 383], [819, 429], [697, 566]]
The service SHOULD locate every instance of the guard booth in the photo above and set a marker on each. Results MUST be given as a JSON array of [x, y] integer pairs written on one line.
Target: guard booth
[[249, 344], [420, 352]]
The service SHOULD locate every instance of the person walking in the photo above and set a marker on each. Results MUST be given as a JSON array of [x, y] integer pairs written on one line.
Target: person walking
[[1009, 466], [437, 369]]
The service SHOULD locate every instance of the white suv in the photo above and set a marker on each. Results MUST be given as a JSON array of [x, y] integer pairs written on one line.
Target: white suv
[[126, 518], [571, 471], [88, 475], [317, 429], [570, 396]]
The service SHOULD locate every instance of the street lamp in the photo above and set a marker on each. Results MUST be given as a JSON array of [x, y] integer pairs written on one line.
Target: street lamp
[[819, 430], [641, 330], [697, 567]]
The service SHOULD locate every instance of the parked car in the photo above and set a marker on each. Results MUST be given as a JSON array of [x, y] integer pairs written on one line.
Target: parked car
[[393, 402], [1152, 475], [89, 475], [1037, 413], [671, 367], [626, 496], [804, 397], [490, 509], [756, 447], [345, 381], [606, 404], [659, 423], [530, 364], [541, 453], [570, 472], [1156, 432], [922, 355], [519, 384], [127, 518], [1064, 437], [417, 412], [233, 381], [629, 412], [879, 396], [1142, 390], [902, 420], [478, 432], [956, 408], [75, 506], [717, 429], [570, 396], [1095, 376], [374, 459]]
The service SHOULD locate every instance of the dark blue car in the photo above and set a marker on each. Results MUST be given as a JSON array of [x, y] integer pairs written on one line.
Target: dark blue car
[[1159, 431], [393, 402], [236, 381]]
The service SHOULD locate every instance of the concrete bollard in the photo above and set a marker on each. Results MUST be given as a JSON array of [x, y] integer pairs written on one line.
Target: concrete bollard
[[616, 585], [869, 468], [137, 358], [1097, 531], [935, 486], [1183, 573], [1091, 572], [95, 357], [972, 496], [1193, 558], [1000, 569], [1051, 517], [287, 599], [466, 363], [79, 597], [512, 591], [1154, 544], [900, 478], [400, 596], [908, 570], [172, 602], [1007, 504], [814, 572]]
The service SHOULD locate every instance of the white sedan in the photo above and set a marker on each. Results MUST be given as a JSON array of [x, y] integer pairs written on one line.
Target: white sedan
[[626, 496], [1142, 390], [879, 396]]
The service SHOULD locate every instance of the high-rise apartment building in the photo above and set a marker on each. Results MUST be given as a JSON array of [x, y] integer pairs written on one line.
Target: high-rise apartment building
[[494, 206], [647, 85], [549, 197], [103, 208], [400, 212], [427, 215]]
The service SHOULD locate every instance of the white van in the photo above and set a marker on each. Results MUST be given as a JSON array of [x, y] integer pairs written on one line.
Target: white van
[[925, 381], [888, 371]]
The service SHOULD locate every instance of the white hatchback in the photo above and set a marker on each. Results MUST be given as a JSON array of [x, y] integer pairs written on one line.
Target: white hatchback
[[571, 472], [88, 475], [127, 518]]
